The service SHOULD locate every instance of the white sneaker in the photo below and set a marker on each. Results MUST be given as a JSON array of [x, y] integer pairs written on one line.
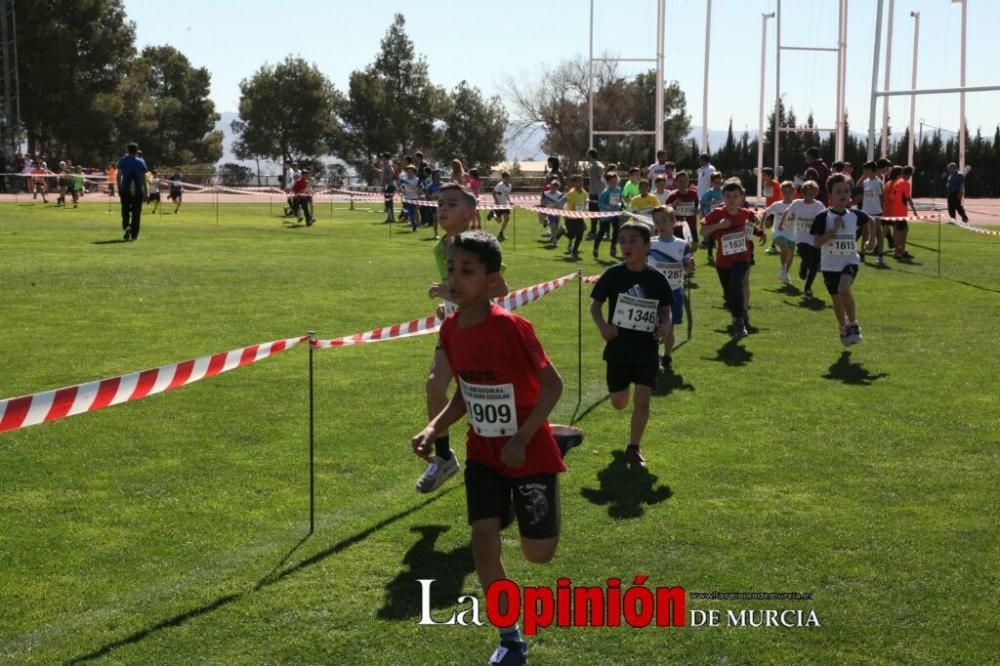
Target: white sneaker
[[438, 471]]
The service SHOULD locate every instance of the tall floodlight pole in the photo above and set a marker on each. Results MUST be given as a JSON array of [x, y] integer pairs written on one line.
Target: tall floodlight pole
[[913, 84], [760, 124], [704, 97], [961, 96], [841, 140], [888, 70], [874, 98], [590, 79], [661, 10], [777, 93]]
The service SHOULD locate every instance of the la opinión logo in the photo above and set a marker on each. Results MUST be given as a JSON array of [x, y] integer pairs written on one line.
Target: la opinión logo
[[566, 605]]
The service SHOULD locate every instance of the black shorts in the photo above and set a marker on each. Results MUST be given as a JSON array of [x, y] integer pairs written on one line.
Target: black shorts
[[620, 375], [154, 196], [175, 196], [832, 278], [389, 189], [534, 499], [501, 211]]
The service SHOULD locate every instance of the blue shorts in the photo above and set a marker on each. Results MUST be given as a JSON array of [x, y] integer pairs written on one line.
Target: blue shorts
[[677, 308]]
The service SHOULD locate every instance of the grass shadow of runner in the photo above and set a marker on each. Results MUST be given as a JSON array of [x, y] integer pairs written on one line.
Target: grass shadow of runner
[[853, 374], [732, 354], [448, 569], [625, 489], [667, 381], [813, 304], [274, 576]]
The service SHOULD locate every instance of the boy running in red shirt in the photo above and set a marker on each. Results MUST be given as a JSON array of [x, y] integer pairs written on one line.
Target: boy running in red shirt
[[685, 203], [508, 387], [726, 227]]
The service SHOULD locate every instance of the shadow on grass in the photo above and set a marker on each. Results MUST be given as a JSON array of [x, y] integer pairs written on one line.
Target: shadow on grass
[[922, 247], [668, 381], [276, 575], [109, 242], [732, 354], [854, 374], [422, 560], [786, 290], [579, 417], [625, 489], [813, 304]]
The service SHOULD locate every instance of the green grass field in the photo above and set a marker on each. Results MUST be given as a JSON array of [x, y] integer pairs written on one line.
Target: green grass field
[[172, 530]]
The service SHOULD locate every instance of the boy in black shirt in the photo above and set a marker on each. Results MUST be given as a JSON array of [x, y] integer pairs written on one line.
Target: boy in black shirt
[[639, 300]]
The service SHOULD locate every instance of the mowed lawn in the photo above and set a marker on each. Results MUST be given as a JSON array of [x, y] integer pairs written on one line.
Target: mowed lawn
[[172, 530]]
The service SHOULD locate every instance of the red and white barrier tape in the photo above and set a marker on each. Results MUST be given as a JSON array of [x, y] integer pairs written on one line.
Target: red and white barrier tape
[[577, 214], [969, 227], [913, 218], [31, 410], [415, 327]]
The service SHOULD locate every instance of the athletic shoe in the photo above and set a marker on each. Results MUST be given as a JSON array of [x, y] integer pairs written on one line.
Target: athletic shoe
[[854, 334], [808, 293], [510, 653], [595, 254], [667, 362], [591, 236], [501, 238], [773, 250], [569, 249], [633, 457], [437, 472], [785, 279], [746, 319], [127, 236], [880, 262], [845, 338], [739, 328]]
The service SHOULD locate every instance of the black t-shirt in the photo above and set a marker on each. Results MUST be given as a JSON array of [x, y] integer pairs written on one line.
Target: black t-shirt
[[632, 347]]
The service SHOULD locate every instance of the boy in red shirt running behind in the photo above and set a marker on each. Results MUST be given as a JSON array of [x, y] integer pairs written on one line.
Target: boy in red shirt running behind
[[726, 227], [508, 387]]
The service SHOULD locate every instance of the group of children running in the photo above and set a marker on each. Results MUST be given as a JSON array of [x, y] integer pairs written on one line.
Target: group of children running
[[506, 384]]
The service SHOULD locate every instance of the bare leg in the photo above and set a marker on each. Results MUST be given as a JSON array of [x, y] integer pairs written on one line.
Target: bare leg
[[640, 413]]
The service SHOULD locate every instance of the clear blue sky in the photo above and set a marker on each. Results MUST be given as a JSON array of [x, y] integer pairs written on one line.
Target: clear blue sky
[[487, 42]]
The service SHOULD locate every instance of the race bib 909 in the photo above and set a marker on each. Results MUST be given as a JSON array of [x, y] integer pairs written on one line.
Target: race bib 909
[[491, 408]]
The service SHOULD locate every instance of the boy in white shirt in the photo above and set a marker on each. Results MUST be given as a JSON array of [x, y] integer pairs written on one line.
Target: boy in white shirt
[[837, 231], [501, 196], [798, 219], [783, 239]]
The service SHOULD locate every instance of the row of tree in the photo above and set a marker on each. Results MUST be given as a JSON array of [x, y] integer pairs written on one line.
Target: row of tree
[[291, 111], [86, 91]]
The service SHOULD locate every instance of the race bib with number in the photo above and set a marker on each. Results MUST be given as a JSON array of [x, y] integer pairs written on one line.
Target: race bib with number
[[840, 245], [490, 408], [615, 200], [636, 314], [673, 271], [803, 225], [581, 207], [734, 243], [685, 209]]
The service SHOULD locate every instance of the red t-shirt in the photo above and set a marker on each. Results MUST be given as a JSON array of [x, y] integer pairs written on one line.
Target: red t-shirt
[[894, 204], [775, 192], [685, 204], [300, 186], [501, 351], [729, 241]]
